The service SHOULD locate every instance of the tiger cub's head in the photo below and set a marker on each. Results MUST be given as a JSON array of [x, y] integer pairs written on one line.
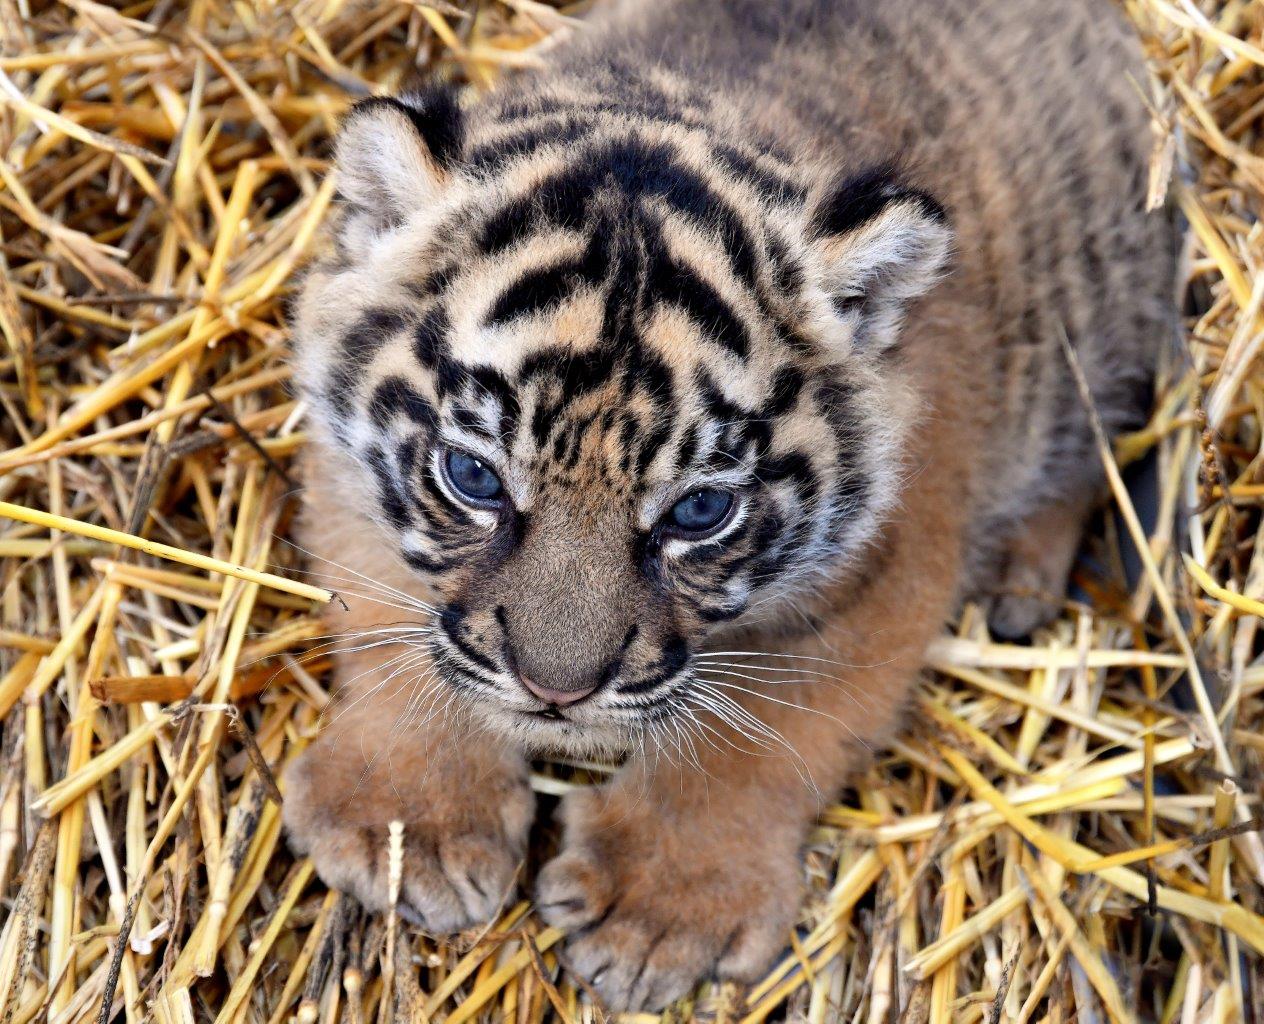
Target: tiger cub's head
[[611, 380]]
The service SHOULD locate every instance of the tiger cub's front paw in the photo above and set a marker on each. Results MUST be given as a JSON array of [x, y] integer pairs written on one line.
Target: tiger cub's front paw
[[654, 903], [465, 831]]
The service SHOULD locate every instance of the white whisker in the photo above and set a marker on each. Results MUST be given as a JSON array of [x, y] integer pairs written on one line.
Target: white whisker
[[706, 655], [378, 584], [789, 704], [839, 684]]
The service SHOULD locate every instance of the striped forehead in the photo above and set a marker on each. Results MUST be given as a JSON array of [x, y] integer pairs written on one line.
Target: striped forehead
[[563, 249]]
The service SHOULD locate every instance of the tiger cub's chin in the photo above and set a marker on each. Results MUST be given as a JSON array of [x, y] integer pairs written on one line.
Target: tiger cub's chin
[[665, 402]]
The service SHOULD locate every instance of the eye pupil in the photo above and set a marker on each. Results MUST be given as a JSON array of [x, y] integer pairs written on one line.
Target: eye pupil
[[702, 510], [472, 478]]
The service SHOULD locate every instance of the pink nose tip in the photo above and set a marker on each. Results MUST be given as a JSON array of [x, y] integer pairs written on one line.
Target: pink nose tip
[[559, 697]]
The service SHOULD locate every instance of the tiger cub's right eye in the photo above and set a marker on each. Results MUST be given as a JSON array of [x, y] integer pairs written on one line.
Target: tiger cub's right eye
[[472, 478]]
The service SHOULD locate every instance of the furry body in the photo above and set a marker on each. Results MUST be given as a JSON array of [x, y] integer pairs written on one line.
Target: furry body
[[770, 252]]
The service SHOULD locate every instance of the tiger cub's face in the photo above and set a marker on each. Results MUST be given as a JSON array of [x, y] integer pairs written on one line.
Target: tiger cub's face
[[609, 383]]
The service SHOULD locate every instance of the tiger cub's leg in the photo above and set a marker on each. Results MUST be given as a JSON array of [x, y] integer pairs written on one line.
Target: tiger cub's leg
[[392, 753], [1034, 568]]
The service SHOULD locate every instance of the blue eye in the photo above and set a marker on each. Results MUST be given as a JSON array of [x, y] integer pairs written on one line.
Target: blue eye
[[471, 478], [702, 511]]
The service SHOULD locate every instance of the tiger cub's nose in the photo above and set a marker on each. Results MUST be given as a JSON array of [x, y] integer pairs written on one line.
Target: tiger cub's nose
[[558, 697]]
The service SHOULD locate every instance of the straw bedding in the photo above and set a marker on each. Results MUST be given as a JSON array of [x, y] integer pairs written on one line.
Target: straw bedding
[[1070, 831]]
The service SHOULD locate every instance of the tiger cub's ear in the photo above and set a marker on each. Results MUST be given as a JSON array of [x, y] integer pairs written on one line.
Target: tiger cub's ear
[[881, 244], [394, 153]]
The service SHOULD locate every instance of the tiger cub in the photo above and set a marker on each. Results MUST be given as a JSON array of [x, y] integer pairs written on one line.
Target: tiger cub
[[666, 402]]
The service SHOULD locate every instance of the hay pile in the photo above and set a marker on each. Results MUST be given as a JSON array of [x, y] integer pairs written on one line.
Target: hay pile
[[1041, 851]]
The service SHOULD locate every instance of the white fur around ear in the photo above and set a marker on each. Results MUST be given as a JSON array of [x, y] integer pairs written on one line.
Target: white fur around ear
[[881, 245], [393, 154]]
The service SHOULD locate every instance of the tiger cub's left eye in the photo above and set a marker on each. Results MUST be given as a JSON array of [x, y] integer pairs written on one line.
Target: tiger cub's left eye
[[471, 478], [701, 512]]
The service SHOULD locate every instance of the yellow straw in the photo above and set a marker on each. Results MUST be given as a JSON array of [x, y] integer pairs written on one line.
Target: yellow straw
[[151, 547]]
